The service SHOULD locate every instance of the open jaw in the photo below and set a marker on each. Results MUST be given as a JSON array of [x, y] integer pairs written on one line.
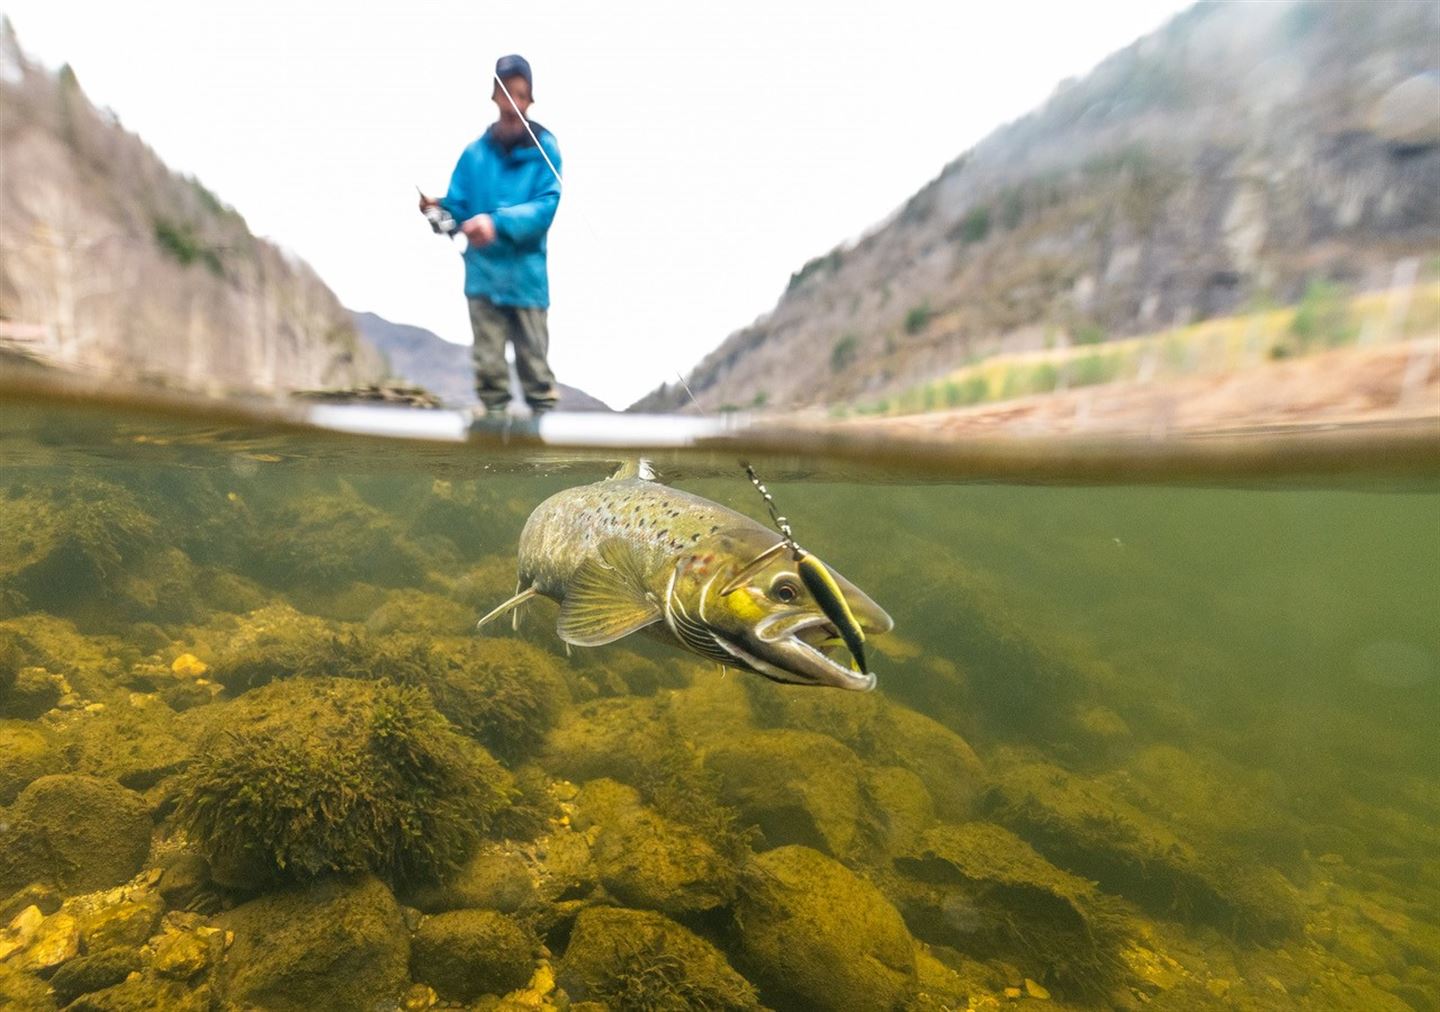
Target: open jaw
[[802, 656]]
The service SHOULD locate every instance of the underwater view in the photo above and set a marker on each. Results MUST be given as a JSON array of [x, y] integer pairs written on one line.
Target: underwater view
[[1164, 745]]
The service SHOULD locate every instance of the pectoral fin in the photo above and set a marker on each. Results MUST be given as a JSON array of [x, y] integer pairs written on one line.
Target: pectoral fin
[[606, 599]]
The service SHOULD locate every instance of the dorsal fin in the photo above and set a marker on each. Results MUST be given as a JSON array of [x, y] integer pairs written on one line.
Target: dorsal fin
[[606, 599], [638, 467]]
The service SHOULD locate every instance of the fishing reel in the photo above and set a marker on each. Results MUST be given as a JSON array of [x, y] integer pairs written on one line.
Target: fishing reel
[[441, 221]]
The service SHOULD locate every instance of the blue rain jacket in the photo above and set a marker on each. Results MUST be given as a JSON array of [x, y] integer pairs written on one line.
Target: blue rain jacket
[[516, 188]]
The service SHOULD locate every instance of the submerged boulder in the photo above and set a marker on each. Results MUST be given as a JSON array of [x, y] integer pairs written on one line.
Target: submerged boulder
[[94, 972], [815, 935], [340, 943], [883, 732], [75, 833], [272, 642], [31, 693], [466, 953], [798, 787], [138, 746], [1082, 824], [504, 693], [646, 860], [638, 959], [309, 776], [980, 889], [623, 739], [27, 752], [21, 990]]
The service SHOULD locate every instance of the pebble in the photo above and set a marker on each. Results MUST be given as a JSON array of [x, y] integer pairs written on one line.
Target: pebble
[[94, 707], [419, 998], [1035, 990], [20, 930], [189, 665], [57, 940]]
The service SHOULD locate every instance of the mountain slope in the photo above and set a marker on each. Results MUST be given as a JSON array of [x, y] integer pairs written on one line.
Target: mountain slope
[[115, 264], [1229, 158], [425, 359]]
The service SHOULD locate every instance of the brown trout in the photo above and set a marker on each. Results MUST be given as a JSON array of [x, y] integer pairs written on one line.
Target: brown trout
[[630, 554]]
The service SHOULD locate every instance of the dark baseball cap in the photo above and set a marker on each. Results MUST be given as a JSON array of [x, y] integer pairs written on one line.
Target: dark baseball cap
[[515, 65]]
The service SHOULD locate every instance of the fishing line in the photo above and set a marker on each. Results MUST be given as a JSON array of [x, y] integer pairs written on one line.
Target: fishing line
[[814, 573]]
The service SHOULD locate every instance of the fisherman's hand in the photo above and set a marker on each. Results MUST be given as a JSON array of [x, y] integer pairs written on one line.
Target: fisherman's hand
[[480, 230], [426, 203]]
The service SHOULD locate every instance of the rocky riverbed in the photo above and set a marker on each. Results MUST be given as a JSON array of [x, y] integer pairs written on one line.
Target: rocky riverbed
[[251, 756]]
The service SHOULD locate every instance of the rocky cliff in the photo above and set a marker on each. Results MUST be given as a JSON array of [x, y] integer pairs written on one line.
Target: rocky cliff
[[1229, 159], [113, 263]]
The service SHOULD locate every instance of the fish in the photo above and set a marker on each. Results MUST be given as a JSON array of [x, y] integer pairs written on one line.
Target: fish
[[630, 554]]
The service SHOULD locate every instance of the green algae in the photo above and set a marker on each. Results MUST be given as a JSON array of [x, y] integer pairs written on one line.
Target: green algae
[[337, 775], [641, 960]]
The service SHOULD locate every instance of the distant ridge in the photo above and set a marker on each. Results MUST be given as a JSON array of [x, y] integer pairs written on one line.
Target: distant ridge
[[1233, 158], [424, 358]]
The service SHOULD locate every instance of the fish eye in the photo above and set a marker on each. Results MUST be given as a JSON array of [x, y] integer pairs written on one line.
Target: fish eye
[[785, 589]]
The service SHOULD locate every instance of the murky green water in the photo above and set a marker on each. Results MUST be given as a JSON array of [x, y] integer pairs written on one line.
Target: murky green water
[[1132, 746]]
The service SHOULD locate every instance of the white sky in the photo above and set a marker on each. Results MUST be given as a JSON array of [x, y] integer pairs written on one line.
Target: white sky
[[710, 150]]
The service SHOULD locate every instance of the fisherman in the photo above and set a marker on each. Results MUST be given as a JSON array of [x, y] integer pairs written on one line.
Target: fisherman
[[503, 193]]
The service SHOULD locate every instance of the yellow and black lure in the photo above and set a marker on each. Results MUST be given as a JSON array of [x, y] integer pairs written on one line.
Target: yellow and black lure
[[813, 572]]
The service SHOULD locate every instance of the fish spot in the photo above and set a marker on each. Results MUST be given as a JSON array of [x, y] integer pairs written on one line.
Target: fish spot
[[695, 537], [663, 533], [714, 528]]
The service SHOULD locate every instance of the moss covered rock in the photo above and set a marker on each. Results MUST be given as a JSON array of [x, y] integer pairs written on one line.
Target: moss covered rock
[[76, 833], [12, 657], [272, 642], [137, 745], [340, 943], [23, 991], [326, 540], [648, 861], [1082, 824], [144, 993], [980, 889], [416, 612], [815, 935], [466, 953], [94, 972], [638, 959], [503, 692], [83, 533], [495, 877], [797, 786], [618, 738], [309, 776], [32, 693], [27, 752], [898, 807], [883, 732]]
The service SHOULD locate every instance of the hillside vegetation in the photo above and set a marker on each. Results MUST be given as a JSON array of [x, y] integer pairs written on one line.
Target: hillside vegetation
[[115, 264], [1238, 157]]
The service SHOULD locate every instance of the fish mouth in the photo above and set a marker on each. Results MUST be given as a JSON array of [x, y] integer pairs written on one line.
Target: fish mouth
[[802, 655]]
